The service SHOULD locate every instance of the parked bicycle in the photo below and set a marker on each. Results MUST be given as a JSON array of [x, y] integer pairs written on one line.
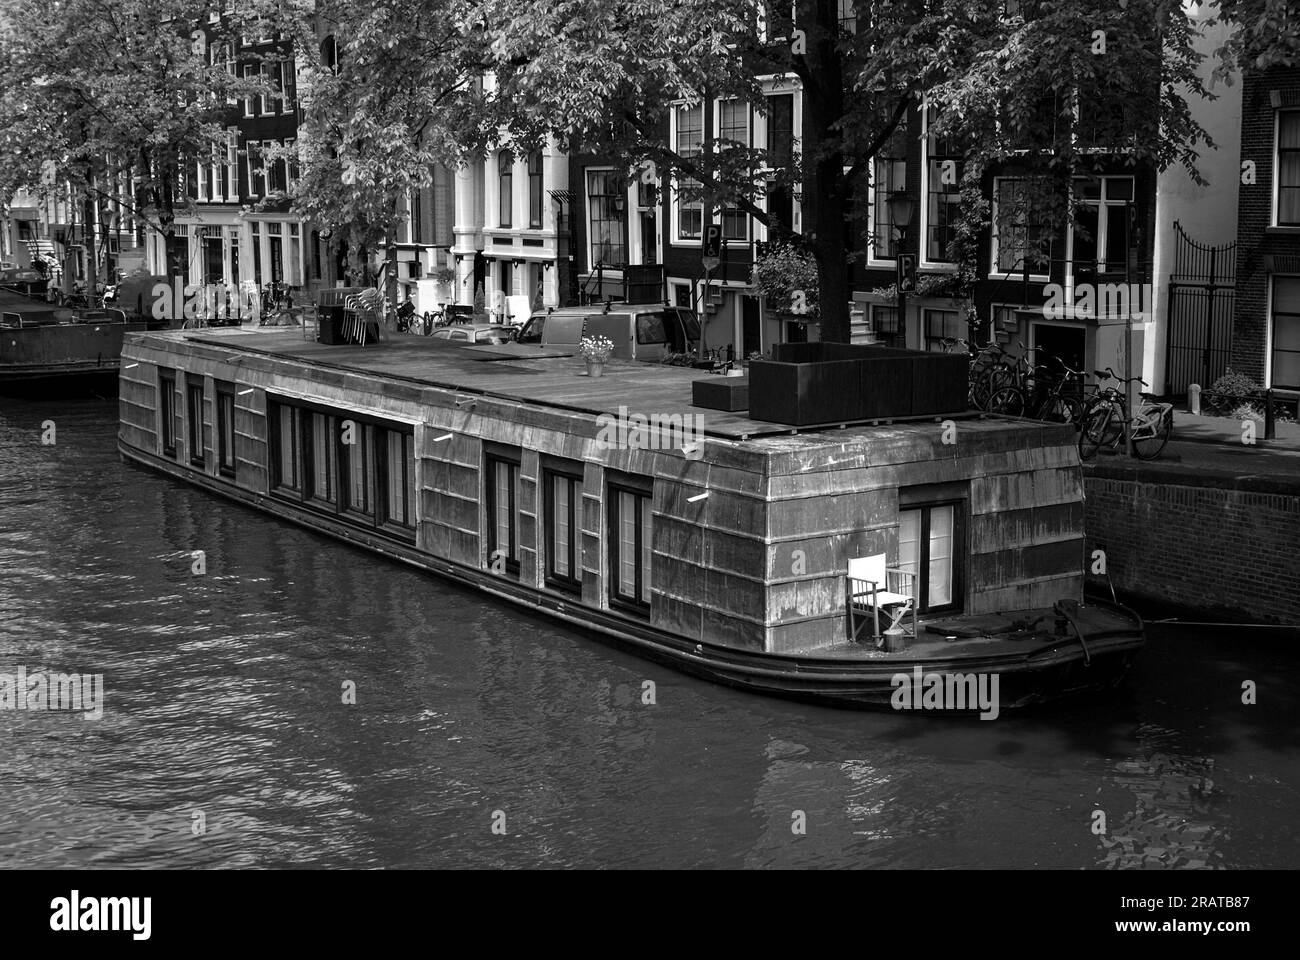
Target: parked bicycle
[[1045, 395], [1106, 421]]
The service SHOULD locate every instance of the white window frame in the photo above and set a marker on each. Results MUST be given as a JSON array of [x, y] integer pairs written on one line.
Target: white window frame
[[994, 272], [872, 260], [1102, 225], [749, 142], [676, 239], [923, 248], [586, 213]]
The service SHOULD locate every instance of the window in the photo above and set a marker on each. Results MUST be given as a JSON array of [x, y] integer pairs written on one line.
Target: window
[[943, 163], [197, 433], [630, 542], [398, 462], [286, 474], [885, 325], [1286, 333], [256, 161], [323, 458], [1020, 238], [929, 543], [888, 176], [358, 468], [605, 218], [733, 121], [271, 77], [167, 412], [689, 141], [562, 489], [226, 429], [535, 190], [502, 474], [1288, 168], [1100, 228], [248, 71], [941, 325], [288, 83], [505, 187], [780, 148]]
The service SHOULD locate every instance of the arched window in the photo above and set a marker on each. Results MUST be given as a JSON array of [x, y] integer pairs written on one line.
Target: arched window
[[505, 179], [535, 189]]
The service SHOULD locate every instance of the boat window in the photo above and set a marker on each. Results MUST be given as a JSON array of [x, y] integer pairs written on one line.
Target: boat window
[[323, 457], [357, 446], [502, 482], [562, 516], [286, 476], [167, 412], [198, 434], [631, 541], [399, 477], [928, 547], [226, 429]]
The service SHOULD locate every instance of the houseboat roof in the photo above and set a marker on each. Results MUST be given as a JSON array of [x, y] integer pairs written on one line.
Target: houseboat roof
[[560, 383]]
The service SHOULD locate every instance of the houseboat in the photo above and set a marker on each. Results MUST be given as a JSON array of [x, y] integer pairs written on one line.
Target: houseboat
[[42, 345], [663, 510]]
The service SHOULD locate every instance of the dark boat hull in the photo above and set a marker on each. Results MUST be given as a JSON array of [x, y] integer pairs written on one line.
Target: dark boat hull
[[1040, 674]]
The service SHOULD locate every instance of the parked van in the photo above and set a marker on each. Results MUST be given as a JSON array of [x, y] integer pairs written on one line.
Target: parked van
[[638, 331]]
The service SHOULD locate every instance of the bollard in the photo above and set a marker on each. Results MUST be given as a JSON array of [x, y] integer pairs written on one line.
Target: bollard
[[1270, 423], [1194, 399]]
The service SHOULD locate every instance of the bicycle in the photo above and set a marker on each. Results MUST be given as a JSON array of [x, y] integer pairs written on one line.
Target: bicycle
[[1054, 405], [1106, 420]]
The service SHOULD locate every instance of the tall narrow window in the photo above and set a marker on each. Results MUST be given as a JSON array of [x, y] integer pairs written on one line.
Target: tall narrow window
[[943, 165], [689, 142], [226, 429], [323, 454], [399, 477], [286, 475], [928, 545], [358, 468], [605, 218], [1288, 168], [167, 412], [535, 190], [1020, 239], [198, 437], [1286, 333], [1100, 228], [888, 177], [505, 188], [562, 490], [631, 546], [503, 512]]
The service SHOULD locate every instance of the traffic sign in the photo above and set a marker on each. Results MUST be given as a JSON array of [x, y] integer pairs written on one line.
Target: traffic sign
[[906, 278], [712, 249]]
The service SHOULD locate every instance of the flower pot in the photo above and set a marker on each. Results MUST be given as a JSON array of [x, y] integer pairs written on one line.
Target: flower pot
[[595, 368]]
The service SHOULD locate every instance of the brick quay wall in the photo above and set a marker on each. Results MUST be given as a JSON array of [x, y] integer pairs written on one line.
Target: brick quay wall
[[1222, 546]]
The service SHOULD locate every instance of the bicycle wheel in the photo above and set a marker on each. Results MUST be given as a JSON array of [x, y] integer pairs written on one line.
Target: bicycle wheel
[[1100, 426], [1061, 410], [1150, 438], [1008, 401]]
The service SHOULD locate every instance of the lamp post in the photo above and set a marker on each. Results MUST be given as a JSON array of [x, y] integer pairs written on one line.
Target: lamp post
[[901, 209]]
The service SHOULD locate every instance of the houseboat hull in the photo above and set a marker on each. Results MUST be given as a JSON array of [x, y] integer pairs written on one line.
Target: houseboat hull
[[1089, 660]]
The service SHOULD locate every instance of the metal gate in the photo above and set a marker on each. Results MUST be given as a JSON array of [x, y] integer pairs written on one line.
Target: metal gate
[[1202, 290]]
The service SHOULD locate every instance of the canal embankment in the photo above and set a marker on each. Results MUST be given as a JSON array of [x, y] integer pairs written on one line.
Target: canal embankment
[[1212, 528]]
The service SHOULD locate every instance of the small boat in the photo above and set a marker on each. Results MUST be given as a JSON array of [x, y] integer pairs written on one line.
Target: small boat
[[45, 347]]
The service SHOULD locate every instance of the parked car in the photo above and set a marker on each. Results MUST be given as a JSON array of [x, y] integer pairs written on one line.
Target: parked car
[[474, 333], [638, 331]]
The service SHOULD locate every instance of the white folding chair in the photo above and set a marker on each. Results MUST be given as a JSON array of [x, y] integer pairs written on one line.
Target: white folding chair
[[867, 589]]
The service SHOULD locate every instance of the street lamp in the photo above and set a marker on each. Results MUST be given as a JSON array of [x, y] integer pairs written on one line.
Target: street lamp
[[901, 208]]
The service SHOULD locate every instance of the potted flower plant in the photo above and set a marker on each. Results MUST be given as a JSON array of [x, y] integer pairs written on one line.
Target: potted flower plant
[[596, 351]]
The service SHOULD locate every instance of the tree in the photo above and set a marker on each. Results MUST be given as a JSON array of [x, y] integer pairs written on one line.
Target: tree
[[96, 97], [604, 77], [1267, 34]]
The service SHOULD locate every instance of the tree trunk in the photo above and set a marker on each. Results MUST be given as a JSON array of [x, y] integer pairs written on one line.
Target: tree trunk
[[824, 204]]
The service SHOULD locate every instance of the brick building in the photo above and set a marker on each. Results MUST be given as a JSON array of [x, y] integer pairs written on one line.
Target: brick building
[[1266, 328]]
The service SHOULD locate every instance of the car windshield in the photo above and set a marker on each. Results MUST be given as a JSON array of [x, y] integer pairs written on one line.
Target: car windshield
[[532, 331]]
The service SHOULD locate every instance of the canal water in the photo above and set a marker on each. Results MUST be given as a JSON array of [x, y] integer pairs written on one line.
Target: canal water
[[225, 741]]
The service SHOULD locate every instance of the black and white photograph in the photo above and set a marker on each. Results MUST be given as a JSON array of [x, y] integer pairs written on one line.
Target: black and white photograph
[[937, 507]]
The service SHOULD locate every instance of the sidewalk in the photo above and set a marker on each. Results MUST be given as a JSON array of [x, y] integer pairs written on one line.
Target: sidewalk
[[1209, 452]]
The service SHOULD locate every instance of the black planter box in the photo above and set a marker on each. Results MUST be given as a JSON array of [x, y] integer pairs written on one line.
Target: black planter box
[[721, 393], [330, 325], [810, 383]]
